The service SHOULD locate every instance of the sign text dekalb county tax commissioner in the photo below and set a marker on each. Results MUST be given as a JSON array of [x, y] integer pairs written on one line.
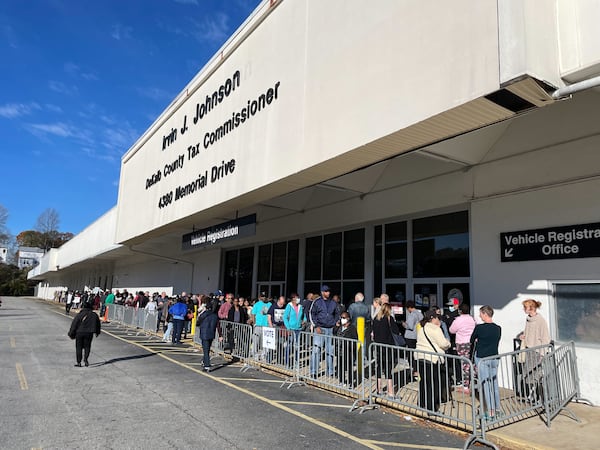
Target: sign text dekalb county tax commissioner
[[572, 241]]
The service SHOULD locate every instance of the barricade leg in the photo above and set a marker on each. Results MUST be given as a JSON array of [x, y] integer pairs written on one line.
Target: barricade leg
[[292, 359]]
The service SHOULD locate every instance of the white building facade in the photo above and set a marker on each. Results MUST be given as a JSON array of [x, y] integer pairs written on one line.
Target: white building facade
[[423, 149]]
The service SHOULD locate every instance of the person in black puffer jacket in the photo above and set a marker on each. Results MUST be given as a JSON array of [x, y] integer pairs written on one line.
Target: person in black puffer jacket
[[84, 326]]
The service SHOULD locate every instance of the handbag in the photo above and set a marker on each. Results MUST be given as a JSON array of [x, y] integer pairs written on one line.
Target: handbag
[[398, 338]]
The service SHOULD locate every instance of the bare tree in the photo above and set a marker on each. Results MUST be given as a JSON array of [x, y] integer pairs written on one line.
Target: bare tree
[[4, 234], [47, 224]]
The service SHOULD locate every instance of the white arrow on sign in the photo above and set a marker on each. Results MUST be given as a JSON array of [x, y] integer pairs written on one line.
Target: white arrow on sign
[[508, 252]]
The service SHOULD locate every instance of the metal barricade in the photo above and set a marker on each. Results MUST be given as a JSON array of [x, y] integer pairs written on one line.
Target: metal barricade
[[422, 383], [231, 339], [128, 316], [561, 381], [329, 361], [449, 389]]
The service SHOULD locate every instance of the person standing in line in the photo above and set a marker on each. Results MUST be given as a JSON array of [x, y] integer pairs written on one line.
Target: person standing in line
[[237, 314], [168, 332], [413, 317], [485, 340], [536, 334], [324, 315], [167, 303], [292, 320], [69, 302], [536, 329], [346, 352], [108, 302], [433, 381], [384, 328], [76, 300], [260, 319], [225, 307], [462, 327], [207, 322], [160, 307], [359, 309], [178, 310], [306, 305], [85, 324]]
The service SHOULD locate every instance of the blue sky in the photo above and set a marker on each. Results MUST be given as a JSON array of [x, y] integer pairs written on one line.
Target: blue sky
[[80, 82]]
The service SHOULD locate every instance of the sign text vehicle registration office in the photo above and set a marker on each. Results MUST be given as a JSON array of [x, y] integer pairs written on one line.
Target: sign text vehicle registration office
[[572, 241]]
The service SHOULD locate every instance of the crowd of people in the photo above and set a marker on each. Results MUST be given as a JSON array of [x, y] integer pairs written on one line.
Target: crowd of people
[[432, 333]]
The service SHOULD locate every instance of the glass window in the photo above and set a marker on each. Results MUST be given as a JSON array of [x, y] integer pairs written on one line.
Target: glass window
[[231, 270], [395, 250], [332, 256], [264, 262], [426, 295], [312, 267], [245, 272], [313, 287], [354, 254], [279, 261], [578, 312], [292, 266], [378, 256], [397, 294], [441, 246]]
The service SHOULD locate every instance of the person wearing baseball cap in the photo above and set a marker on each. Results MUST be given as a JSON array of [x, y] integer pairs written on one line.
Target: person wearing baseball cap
[[324, 315]]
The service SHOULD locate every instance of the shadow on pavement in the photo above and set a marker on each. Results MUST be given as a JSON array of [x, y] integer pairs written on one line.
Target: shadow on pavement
[[124, 358]]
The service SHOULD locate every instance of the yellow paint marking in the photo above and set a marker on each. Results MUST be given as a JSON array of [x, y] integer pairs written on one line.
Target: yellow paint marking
[[251, 379], [405, 445], [273, 403], [22, 379], [327, 405], [13, 343]]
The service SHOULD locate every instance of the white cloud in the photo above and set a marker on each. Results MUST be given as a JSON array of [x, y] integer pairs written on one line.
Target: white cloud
[[76, 71], [62, 88], [53, 108], [14, 110], [120, 139], [57, 129], [155, 93], [121, 32], [212, 29], [61, 129], [9, 35]]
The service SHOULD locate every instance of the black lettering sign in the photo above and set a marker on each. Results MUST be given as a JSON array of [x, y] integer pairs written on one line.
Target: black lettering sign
[[234, 229], [572, 241]]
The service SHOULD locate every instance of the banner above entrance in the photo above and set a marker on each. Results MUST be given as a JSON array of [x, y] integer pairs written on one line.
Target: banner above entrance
[[234, 229], [572, 241]]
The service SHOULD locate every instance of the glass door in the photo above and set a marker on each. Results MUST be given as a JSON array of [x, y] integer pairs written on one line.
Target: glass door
[[271, 290]]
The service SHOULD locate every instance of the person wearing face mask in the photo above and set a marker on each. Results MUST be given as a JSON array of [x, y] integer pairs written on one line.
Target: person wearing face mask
[[346, 351], [450, 314], [292, 320]]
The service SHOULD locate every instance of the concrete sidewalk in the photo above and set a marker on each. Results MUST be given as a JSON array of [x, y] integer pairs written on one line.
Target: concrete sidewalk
[[565, 433]]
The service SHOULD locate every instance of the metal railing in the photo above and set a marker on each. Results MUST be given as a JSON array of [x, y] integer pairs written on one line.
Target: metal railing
[[449, 389]]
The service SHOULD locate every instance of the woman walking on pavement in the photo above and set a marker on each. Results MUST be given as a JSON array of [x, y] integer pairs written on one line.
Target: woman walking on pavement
[[83, 327]]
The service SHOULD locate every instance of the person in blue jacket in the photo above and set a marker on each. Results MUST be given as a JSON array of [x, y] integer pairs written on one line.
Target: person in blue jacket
[[324, 315], [292, 319], [178, 311]]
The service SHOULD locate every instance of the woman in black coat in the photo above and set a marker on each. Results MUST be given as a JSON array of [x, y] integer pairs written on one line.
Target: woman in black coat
[[84, 326]]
